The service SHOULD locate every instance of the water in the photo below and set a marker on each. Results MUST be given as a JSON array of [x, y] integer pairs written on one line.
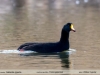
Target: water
[[42, 21]]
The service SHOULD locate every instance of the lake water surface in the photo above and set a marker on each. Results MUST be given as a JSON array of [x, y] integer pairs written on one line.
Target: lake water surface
[[42, 21]]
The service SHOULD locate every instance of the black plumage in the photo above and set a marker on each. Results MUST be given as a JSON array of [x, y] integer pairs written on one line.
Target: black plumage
[[61, 45]]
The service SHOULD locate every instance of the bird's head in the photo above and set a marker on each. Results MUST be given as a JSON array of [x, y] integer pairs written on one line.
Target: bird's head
[[69, 27]]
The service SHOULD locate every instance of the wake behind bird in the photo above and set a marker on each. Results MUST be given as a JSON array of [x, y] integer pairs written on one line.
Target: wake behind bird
[[68, 52]]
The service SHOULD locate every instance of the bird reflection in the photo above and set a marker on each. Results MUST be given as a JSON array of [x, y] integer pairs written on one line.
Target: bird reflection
[[64, 59]]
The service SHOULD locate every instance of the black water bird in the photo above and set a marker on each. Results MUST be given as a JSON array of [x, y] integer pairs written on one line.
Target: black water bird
[[61, 45]]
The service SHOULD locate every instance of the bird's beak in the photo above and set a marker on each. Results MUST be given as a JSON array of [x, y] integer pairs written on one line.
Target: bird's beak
[[72, 28]]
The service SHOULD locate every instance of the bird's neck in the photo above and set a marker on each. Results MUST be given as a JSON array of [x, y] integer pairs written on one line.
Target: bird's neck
[[64, 37]]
